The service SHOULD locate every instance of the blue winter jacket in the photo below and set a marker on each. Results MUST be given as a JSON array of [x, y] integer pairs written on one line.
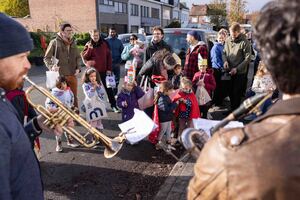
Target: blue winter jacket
[[165, 108], [216, 55], [116, 48], [19, 170]]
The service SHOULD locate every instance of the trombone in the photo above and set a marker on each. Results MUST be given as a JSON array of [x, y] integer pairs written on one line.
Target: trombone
[[63, 114]]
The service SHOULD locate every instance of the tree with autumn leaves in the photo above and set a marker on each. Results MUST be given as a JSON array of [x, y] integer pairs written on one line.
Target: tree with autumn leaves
[[237, 11], [217, 13], [15, 8]]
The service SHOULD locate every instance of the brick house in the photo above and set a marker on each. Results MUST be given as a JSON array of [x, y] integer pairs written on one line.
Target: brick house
[[199, 14], [46, 15]]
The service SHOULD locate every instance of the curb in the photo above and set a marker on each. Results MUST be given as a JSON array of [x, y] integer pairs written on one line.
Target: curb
[[175, 186]]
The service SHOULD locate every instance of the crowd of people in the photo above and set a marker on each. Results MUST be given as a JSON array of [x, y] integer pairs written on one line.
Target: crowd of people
[[192, 89], [235, 163]]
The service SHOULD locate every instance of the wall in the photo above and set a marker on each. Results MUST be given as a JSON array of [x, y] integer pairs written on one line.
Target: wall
[[47, 14]]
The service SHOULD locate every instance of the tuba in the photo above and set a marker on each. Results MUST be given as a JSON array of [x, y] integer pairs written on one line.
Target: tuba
[[64, 114], [194, 140]]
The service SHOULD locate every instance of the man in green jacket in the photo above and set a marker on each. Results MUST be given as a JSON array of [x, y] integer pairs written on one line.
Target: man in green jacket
[[63, 55], [236, 57]]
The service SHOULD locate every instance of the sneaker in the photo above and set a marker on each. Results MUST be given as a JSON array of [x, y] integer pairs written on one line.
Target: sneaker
[[73, 145], [170, 147], [59, 148], [116, 110]]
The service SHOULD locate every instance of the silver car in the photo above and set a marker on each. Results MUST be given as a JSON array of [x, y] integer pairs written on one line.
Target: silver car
[[176, 38], [126, 36]]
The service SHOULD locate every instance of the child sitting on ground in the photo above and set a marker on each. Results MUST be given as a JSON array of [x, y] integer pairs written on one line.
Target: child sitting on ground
[[262, 80], [127, 99], [187, 109], [63, 93], [165, 110], [204, 78], [262, 83]]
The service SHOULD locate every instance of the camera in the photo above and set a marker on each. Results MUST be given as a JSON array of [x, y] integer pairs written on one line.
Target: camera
[[225, 75]]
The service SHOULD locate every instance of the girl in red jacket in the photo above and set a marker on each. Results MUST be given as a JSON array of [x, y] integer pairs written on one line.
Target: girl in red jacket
[[188, 106], [204, 78]]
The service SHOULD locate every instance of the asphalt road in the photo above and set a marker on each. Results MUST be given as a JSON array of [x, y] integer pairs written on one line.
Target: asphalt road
[[136, 172]]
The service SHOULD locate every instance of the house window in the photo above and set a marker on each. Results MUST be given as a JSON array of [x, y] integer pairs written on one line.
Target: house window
[[107, 2], [155, 13], [144, 11], [120, 7], [134, 10], [194, 20], [167, 14]]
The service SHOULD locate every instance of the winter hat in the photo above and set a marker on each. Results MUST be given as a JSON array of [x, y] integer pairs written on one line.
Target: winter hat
[[14, 38], [194, 34]]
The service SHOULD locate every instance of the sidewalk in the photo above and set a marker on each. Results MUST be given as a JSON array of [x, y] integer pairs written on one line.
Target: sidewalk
[[175, 186]]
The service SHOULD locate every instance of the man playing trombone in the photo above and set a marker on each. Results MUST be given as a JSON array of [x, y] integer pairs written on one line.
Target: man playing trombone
[[261, 160], [19, 169]]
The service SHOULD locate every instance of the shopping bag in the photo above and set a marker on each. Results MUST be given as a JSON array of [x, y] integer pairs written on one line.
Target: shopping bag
[[94, 109], [51, 78], [202, 96], [147, 99], [110, 81], [138, 127]]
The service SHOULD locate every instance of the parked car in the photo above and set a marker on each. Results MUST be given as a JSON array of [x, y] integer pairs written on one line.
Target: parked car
[[148, 38], [176, 38], [126, 36]]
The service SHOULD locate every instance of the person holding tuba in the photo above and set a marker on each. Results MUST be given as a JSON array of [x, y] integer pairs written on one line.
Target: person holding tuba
[[20, 177], [261, 160]]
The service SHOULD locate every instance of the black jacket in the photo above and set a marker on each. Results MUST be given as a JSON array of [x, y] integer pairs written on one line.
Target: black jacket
[[165, 108], [152, 48]]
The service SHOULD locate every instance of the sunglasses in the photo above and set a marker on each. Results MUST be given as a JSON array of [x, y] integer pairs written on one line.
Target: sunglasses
[[132, 39]]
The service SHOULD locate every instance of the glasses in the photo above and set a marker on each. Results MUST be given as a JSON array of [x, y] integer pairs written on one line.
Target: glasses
[[131, 38]]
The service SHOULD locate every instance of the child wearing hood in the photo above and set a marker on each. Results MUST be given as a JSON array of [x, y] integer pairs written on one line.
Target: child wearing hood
[[127, 99], [63, 93]]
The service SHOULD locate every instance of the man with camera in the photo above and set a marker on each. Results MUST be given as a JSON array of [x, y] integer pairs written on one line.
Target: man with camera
[[236, 57], [261, 160]]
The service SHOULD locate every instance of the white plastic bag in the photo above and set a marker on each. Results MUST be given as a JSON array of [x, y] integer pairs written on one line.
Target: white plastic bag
[[51, 78], [94, 109], [110, 81], [137, 128]]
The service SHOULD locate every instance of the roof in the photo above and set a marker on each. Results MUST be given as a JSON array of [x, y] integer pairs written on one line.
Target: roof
[[199, 10], [183, 6]]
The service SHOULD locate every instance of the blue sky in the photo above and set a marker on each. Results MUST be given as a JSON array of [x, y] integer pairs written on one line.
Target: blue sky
[[253, 5]]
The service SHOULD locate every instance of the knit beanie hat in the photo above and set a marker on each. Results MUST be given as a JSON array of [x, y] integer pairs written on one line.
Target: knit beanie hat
[[194, 34], [14, 38]]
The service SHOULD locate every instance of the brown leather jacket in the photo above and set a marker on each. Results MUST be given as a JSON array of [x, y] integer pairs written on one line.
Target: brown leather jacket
[[260, 161]]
